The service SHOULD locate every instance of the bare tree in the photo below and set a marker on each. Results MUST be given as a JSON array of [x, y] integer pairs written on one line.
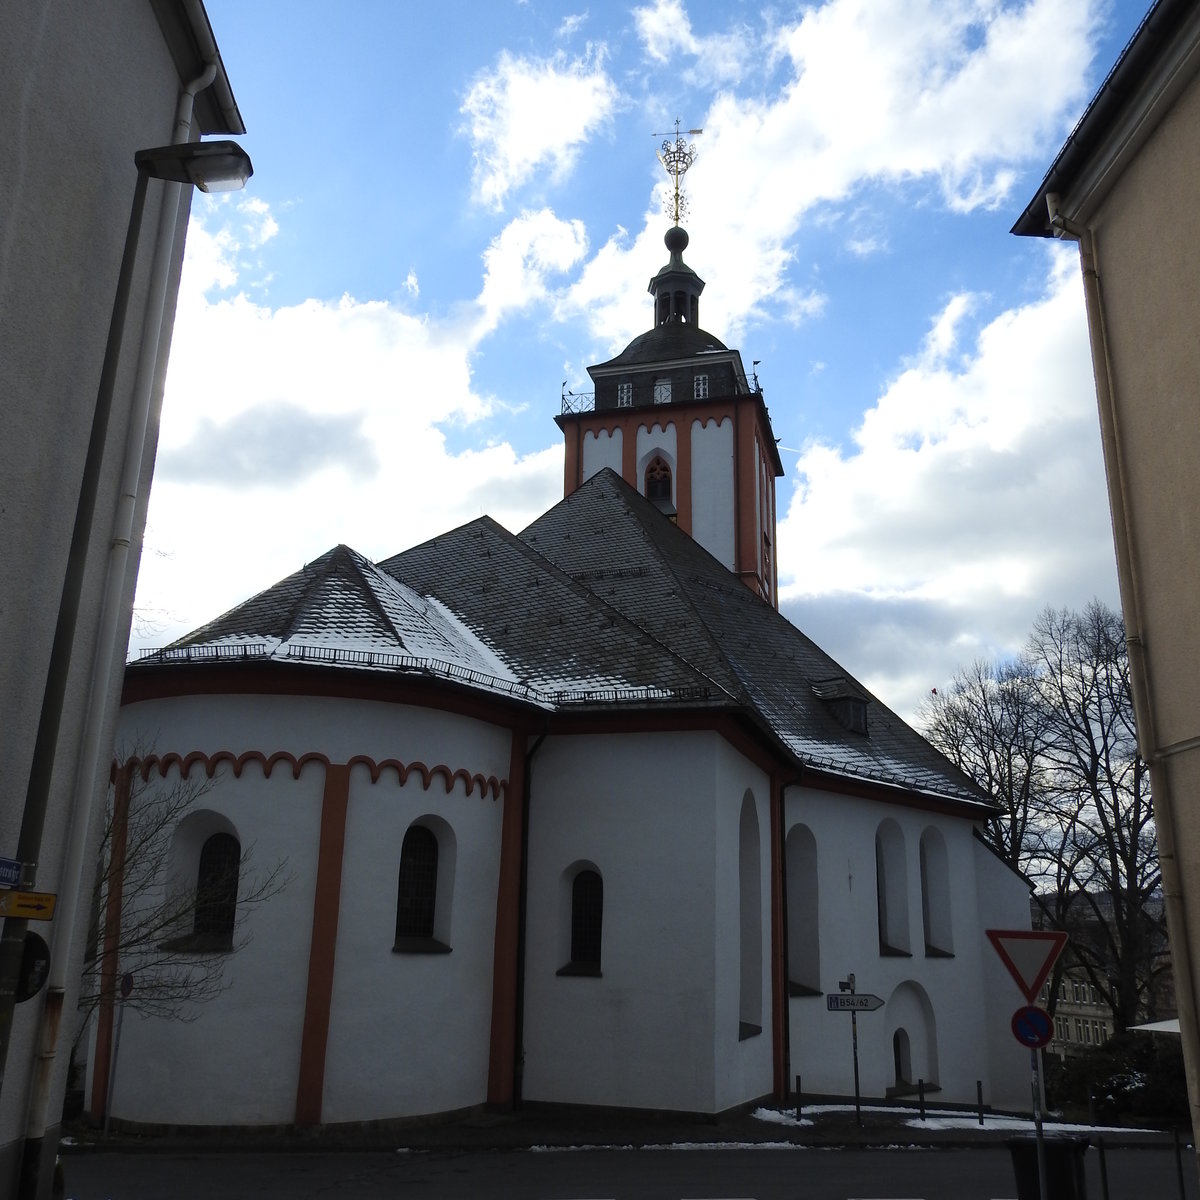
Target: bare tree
[[1051, 737], [146, 921], [991, 724], [1109, 890]]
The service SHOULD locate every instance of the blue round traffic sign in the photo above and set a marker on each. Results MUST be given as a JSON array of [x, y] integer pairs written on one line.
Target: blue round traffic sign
[[1032, 1027]]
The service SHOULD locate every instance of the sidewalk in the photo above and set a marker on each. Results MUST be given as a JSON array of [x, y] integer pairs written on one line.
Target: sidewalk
[[557, 1128]]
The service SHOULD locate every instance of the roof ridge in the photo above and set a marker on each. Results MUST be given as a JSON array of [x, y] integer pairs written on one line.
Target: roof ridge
[[642, 508], [587, 595]]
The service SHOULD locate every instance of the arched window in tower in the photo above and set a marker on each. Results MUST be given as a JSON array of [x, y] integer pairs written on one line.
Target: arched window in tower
[[658, 481]]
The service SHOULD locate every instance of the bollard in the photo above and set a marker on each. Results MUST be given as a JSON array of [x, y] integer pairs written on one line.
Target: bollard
[[1092, 1108], [1179, 1165], [979, 1098], [799, 1101], [1103, 1168], [921, 1096]]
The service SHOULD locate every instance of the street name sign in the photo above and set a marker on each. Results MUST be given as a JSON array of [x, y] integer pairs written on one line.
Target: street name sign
[[1028, 954], [30, 906], [10, 872], [841, 1002]]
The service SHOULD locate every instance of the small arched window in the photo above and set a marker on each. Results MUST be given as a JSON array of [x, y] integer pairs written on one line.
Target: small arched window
[[587, 923], [216, 892], [416, 893]]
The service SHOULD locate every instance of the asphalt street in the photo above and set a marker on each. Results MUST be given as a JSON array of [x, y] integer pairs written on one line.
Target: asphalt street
[[710, 1172]]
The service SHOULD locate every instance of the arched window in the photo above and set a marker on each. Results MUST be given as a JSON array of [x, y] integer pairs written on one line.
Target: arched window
[[587, 923], [416, 894], [658, 480], [207, 914], [216, 892], [750, 923], [935, 895], [891, 881], [803, 918]]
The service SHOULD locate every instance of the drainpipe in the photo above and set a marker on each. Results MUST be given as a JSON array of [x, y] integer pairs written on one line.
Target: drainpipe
[[1129, 579], [522, 911], [172, 214]]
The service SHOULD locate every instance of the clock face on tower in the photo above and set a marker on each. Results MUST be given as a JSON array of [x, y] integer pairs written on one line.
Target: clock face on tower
[[662, 391]]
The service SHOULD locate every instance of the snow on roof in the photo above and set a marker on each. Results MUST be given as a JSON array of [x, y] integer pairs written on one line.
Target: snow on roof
[[601, 602]]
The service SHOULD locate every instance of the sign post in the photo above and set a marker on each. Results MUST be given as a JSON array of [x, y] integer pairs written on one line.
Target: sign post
[[126, 991], [853, 1004], [1029, 956]]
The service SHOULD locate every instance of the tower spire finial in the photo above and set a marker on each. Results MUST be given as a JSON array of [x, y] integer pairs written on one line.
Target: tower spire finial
[[677, 155]]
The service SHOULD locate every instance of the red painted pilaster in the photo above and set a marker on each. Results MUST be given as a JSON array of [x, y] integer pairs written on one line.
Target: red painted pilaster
[[779, 988], [629, 432], [685, 485], [502, 1059], [323, 945]]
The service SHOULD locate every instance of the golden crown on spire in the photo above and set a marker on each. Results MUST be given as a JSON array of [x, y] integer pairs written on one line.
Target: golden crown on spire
[[677, 155]]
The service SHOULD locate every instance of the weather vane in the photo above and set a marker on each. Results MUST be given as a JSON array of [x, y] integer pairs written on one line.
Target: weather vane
[[677, 155]]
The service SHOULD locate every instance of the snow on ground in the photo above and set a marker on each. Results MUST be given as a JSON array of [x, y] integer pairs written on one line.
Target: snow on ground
[[938, 1119]]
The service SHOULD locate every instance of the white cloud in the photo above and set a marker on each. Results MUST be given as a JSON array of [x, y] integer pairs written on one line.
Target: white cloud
[[973, 497], [666, 33], [331, 428], [518, 260], [533, 113], [571, 24], [941, 98]]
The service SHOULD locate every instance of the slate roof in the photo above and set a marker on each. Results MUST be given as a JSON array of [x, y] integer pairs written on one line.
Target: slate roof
[[610, 536], [600, 603]]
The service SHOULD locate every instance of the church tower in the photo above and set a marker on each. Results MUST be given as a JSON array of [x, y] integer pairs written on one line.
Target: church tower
[[675, 416]]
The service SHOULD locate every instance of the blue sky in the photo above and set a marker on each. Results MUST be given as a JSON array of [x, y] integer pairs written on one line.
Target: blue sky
[[456, 207]]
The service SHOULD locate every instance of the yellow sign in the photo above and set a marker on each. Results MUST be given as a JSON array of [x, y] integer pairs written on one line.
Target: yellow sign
[[32, 906]]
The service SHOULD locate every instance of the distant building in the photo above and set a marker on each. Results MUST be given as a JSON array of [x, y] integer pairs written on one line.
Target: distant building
[[1126, 187], [573, 816], [1083, 1017], [82, 88]]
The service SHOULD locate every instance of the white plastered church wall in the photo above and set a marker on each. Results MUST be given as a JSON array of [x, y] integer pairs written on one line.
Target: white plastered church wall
[[409, 1033], [713, 501], [743, 1066], [948, 997], [600, 450], [386, 1008], [641, 809]]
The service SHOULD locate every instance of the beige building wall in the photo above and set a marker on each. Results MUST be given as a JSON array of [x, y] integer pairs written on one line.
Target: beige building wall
[[1126, 187], [82, 87]]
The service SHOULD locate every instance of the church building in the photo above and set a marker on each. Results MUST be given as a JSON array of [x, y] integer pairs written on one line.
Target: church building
[[572, 816]]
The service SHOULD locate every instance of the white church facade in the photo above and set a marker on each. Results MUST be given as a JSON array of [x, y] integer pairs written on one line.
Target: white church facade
[[573, 816]]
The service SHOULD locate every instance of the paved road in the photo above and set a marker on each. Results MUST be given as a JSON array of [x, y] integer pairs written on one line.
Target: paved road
[[800, 1173]]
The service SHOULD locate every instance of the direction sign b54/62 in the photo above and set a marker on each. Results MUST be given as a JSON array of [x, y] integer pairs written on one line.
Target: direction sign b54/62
[[843, 1002]]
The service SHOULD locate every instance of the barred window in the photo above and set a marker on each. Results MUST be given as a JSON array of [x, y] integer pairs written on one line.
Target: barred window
[[624, 395], [417, 892], [700, 387]]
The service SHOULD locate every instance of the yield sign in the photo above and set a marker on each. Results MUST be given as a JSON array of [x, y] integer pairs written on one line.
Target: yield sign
[[1028, 954]]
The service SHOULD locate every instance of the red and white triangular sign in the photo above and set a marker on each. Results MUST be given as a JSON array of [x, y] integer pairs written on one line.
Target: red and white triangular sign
[[1028, 954]]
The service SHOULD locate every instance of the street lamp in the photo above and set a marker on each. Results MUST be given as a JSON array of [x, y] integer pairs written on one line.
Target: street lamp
[[210, 166]]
